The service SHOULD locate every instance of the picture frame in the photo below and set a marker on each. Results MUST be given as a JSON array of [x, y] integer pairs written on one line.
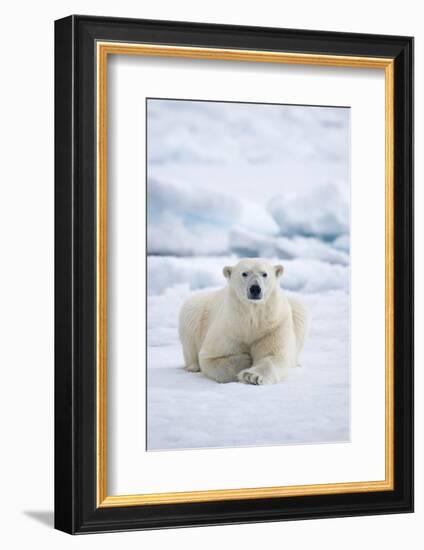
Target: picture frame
[[83, 45]]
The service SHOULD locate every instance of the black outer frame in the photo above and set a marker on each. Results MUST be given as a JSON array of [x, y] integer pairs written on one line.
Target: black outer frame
[[75, 275]]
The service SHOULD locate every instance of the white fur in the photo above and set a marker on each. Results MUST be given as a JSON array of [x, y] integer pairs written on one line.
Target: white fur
[[229, 336]]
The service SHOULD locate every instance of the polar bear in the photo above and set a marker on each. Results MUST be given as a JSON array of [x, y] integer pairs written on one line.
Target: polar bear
[[249, 332]]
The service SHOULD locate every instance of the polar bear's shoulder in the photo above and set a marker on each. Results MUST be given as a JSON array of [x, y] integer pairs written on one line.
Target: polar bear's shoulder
[[202, 304], [205, 297], [199, 310], [298, 307]]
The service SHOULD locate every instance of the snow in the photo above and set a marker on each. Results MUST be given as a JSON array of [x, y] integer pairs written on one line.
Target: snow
[[247, 243], [198, 218], [233, 180], [297, 214], [197, 132], [201, 272]]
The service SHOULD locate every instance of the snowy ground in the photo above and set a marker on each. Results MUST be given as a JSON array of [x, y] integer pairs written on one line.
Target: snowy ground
[[227, 181]]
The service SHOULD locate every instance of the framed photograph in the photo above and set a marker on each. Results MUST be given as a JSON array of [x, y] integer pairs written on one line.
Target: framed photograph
[[234, 274]]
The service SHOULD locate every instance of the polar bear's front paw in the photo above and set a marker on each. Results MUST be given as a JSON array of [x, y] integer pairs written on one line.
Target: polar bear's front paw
[[261, 374], [194, 367], [251, 376]]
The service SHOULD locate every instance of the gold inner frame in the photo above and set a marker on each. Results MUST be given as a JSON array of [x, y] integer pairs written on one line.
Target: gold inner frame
[[103, 50]]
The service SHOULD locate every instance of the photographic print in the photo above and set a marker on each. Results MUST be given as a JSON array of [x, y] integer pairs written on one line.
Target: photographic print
[[248, 274], [233, 274]]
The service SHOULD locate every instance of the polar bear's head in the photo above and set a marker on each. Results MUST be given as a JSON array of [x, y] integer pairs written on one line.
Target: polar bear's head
[[253, 279]]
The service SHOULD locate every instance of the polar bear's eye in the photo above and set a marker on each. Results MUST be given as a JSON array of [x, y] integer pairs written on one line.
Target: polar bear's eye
[[244, 274], [264, 274]]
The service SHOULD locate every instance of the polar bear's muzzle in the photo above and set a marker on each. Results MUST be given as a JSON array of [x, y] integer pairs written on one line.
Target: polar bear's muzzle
[[254, 291]]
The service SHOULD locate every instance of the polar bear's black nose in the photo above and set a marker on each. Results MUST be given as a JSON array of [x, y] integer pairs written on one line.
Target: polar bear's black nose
[[255, 290]]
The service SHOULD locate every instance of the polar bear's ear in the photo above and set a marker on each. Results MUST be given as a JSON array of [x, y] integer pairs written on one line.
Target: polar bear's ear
[[227, 271], [279, 269]]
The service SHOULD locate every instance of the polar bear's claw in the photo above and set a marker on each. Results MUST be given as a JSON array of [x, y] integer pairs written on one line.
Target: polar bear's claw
[[251, 377]]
